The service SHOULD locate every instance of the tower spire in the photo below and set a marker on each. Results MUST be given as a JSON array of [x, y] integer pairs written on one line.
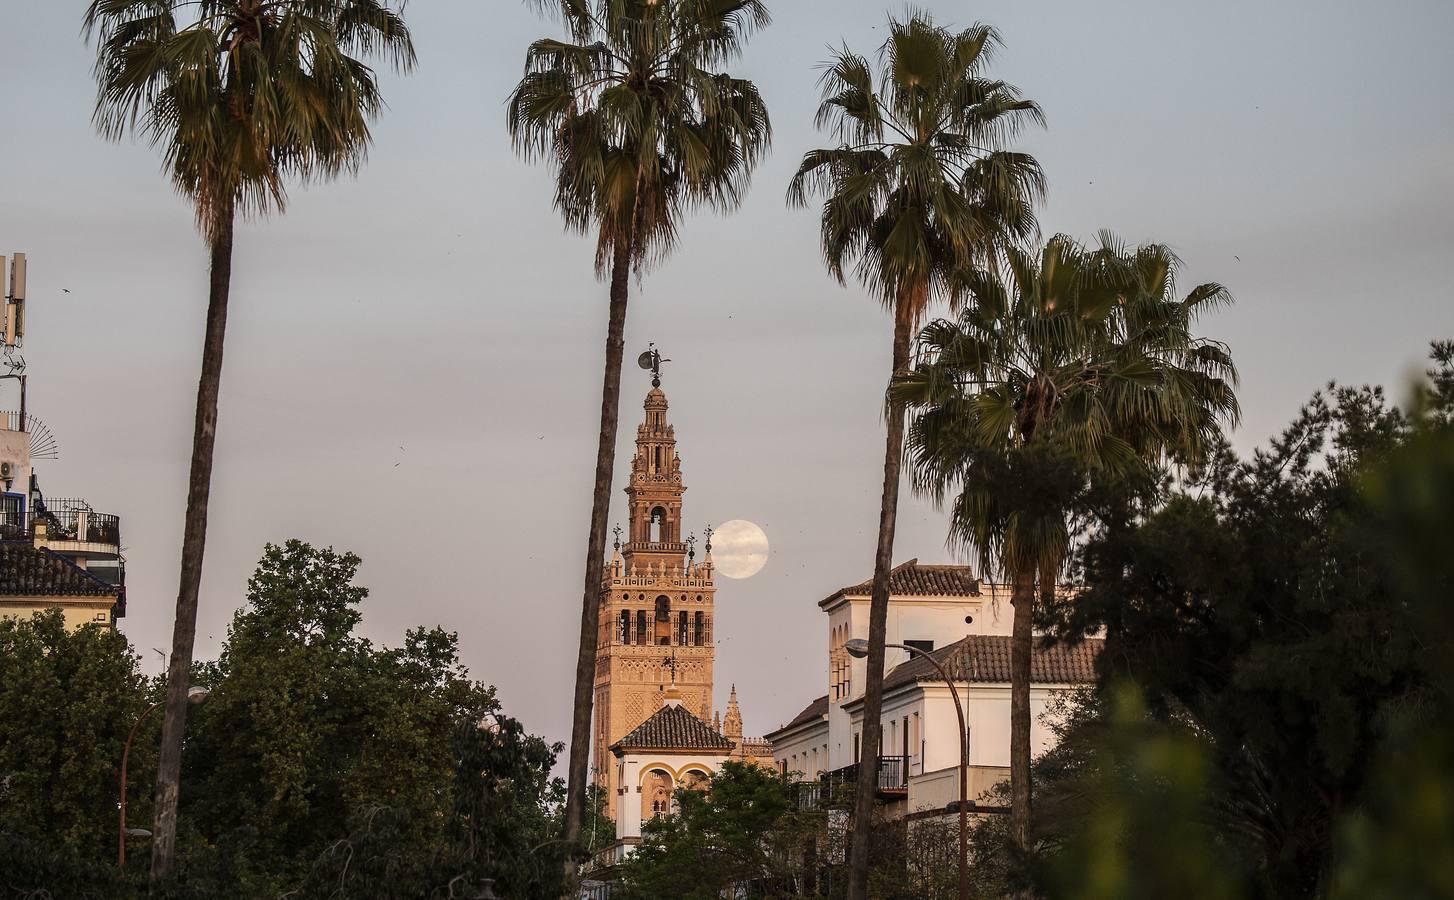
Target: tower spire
[[732, 721]]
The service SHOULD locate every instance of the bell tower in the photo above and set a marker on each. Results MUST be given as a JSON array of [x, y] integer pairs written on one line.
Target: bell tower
[[656, 601]]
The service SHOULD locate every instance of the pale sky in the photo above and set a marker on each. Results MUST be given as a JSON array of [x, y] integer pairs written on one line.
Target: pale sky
[[413, 358]]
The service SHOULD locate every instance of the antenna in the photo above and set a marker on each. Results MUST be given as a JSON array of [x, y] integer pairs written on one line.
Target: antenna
[[14, 326], [15, 302]]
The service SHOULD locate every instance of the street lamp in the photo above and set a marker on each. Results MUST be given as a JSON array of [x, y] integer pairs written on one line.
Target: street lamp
[[195, 695], [858, 649]]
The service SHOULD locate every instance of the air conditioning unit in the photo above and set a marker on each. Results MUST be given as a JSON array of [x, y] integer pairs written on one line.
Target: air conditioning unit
[[7, 471]]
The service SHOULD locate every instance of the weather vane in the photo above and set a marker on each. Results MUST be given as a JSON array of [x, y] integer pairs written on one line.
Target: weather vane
[[671, 663], [651, 359], [692, 547], [709, 538], [617, 531]]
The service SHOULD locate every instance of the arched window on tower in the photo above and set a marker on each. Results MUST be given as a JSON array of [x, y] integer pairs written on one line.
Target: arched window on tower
[[682, 638], [641, 631], [698, 625], [624, 627], [663, 620], [658, 525]]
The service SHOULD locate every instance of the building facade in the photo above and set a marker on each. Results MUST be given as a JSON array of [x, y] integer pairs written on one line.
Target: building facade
[[656, 638], [54, 553], [965, 624]]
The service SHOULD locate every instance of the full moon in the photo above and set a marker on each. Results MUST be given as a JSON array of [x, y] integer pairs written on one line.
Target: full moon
[[739, 549]]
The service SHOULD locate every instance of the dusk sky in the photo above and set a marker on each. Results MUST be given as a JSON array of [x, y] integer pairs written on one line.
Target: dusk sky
[[413, 357]]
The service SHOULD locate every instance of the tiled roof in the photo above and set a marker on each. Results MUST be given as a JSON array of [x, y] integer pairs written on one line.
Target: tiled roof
[[28, 571], [673, 727], [912, 579], [813, 712], [988, 661]]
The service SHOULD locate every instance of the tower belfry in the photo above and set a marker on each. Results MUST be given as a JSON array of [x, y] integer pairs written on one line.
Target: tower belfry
[[656, 597]]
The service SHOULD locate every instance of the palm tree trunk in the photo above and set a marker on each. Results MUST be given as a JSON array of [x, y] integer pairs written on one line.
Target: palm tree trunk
[[878, 614], [1022, 596], [194, 539], [580, 741]]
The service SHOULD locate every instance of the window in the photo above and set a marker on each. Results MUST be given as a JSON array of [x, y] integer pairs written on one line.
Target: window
[[663, 620], [641, 626], [926, 646], [682, 628], [12, 510], [698, 623], [624, 637]]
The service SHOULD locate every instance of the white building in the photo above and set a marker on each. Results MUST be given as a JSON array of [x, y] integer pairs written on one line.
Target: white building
[[966, 626], [672, 749]]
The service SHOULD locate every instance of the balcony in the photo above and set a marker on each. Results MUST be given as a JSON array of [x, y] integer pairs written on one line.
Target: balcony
[[891, 782], [73, 527]]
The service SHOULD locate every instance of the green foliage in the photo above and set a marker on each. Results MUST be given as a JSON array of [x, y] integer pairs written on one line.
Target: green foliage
[[1147, 835], [920, 185], [743, 830], [638, 120], [1082, 363], [241, 96], [1400, 843], [67, 702], [1282, 622], [320, 765]]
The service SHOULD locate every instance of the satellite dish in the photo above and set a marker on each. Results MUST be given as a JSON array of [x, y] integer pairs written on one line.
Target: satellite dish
[[645, 360]]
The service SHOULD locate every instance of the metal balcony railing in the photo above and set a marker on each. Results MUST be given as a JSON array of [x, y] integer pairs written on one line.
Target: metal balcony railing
[[892, 778], [75, 520]]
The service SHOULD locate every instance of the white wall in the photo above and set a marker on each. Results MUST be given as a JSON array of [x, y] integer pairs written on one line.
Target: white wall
[[796, 750], [989, 722], [937, 619]]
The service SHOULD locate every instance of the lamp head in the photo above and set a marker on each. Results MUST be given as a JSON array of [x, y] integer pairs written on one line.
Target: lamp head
[[196, 695], [856, 647]]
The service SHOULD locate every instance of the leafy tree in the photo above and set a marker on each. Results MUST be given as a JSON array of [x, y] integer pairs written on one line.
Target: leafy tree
[[1079, 364], [1399, 843], [1274, 610], [241, 96], [310, 726], [641, 126], [918, 189], [743, 832], [68, 699]]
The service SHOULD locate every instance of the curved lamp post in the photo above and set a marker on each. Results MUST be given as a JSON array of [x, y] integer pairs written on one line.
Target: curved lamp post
[[858, 649], [195, 695]]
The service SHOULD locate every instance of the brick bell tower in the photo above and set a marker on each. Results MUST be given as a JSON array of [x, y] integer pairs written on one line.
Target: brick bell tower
[[656, 599]]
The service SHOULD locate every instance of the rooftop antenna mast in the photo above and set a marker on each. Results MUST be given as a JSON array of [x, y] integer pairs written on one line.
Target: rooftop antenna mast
[[14, 334], [651, 359]]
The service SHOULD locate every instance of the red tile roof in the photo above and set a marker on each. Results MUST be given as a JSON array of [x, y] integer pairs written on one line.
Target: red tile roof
[[673, 727], [28, 571], [911, 579], [987, 660], [813, 712]]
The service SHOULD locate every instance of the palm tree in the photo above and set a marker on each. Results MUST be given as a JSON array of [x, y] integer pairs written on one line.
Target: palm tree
[[240, 96], [918, 188], [1078, 365], [641, 126]]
